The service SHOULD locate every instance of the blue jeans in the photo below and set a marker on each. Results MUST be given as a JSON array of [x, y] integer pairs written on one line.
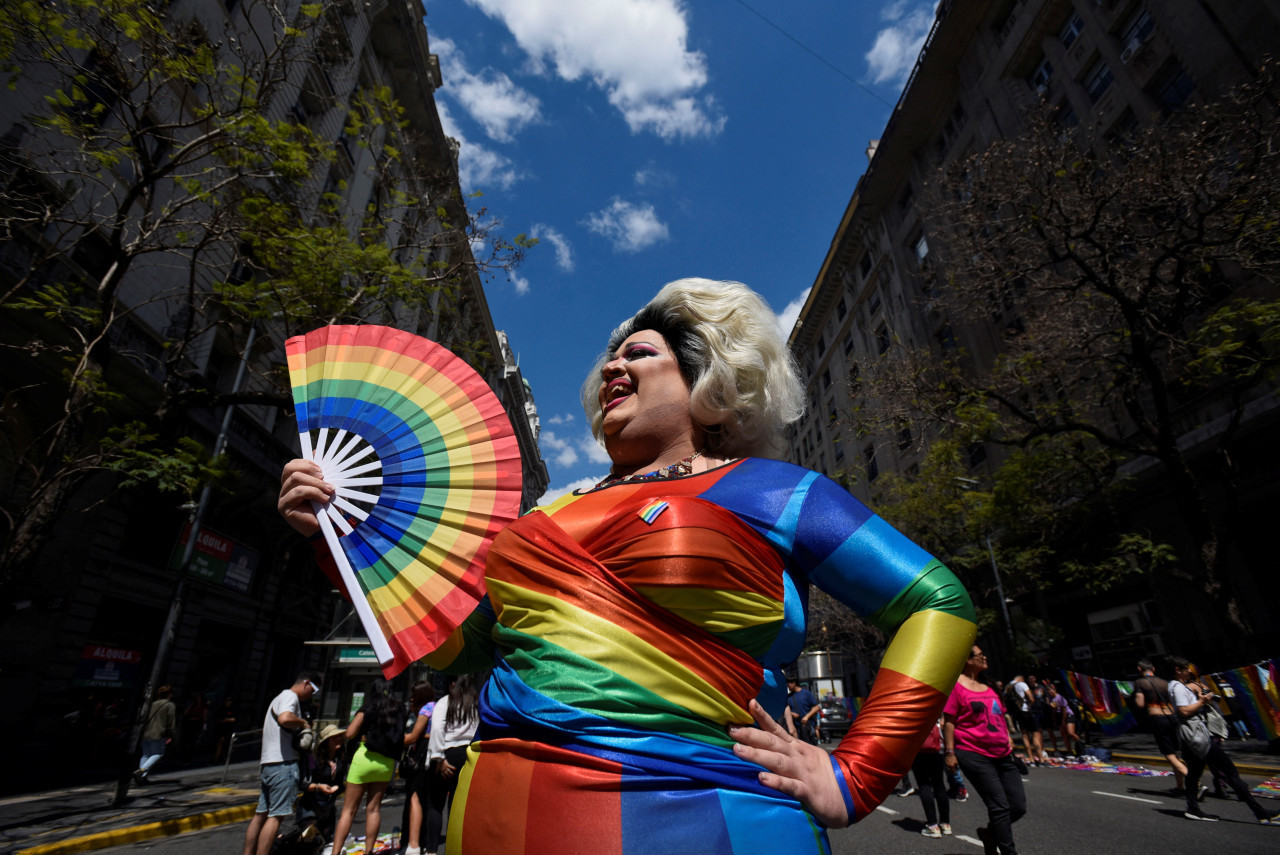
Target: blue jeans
[[152, 751]]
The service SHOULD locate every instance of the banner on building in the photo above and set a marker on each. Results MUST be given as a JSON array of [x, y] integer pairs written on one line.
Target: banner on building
[[218, 559], [103, 667]]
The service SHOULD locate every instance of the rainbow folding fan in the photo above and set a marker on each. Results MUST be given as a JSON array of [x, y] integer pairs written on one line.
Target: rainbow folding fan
[[427, 471]]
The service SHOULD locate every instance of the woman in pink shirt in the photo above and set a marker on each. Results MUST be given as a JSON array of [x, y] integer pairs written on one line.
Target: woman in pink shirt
[[977, 740]]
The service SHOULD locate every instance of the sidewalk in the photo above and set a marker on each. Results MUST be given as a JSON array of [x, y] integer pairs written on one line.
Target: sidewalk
[[82, 819], [1133, 747]]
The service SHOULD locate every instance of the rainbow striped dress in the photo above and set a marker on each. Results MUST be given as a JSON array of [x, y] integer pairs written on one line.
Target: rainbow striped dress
[[629, 626]]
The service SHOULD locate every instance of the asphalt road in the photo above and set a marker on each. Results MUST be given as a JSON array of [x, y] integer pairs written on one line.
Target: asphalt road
[[1069, 812]]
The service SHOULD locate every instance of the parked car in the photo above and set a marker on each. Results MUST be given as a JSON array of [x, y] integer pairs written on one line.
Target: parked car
[[833, 719]]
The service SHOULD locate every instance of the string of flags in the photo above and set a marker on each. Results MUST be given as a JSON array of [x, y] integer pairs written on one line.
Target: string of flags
[[1251, 694]]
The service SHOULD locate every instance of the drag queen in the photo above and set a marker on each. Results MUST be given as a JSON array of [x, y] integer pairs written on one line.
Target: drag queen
[[638, 630]]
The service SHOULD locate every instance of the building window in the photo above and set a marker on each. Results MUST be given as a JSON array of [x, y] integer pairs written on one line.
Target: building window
[[822, 345], [873, 468], [946, 338], [921, 249], [873, 303], [1039, 78], [826, 379], [842, 309], [1138, 30], [864, 266], [848, 345], [1071, 30], [904, 437], [882, 339], [977, 454], [1174, 86], [1098, 80]]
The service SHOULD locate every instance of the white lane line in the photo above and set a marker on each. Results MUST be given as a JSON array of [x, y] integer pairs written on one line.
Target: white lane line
[[886, 810], [967, 839], [1130, 798]]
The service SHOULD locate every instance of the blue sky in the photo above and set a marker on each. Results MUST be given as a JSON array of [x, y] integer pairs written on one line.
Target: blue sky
[[647, 140]]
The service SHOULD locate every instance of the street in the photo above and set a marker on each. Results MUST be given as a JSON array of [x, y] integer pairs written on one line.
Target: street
[[1068, 812]]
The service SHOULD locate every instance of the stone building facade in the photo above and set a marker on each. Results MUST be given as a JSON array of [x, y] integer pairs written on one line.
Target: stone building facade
[[1108, 64], [81, 635]]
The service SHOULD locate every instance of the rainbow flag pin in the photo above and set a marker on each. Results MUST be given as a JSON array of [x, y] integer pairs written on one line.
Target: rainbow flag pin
[[650, 512]]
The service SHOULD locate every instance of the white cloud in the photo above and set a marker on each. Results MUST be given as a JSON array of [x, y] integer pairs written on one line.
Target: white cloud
[[787, 317], [631, 227], [477, 165], [634, 50], [554, 493], [563, 453], [593, 450], [652, 176], [521, 284], [894, 52], [559, 419], [501, 107], [564, 252]]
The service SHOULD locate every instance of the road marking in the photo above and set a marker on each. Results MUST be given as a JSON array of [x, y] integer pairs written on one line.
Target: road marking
[[967, 839], [1130, 798], [886, 810]]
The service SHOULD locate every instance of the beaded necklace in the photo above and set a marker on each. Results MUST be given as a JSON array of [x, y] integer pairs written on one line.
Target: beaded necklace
[[676, 470]]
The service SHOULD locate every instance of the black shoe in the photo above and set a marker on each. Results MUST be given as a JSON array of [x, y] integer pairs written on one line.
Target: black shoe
[[988, 841], [1200, 815], [1274, 819]]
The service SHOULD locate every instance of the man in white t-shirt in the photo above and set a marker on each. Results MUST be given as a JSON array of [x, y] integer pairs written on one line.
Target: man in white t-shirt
[[279, 763], [1023, 718]]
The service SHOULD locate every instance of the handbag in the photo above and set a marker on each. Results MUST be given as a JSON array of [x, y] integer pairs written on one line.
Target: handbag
[[1193, 734]]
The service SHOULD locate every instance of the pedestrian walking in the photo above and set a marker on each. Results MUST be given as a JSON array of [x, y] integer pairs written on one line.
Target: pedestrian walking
[[1194, 702], [457, 717], [161, 721], [278, 763], [931, 785], [422, 704], [976, 739], [381, 724], [1151, 696]]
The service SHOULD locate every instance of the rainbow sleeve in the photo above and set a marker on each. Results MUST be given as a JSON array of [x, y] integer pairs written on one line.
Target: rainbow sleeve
[[858, 558]]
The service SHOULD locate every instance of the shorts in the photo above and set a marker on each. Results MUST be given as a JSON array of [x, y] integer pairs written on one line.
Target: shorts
[[279, 789], [1165, 730], [370, 767]]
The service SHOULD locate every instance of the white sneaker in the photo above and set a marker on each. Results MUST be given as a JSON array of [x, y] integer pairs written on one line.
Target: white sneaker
[[931, 831], [327, 850]]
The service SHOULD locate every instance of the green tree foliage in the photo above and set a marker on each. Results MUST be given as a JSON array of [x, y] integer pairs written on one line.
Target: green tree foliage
[[1131, 285], [163, 188]]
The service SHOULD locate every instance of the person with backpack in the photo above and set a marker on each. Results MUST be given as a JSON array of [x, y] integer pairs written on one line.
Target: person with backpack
[[380, 725]]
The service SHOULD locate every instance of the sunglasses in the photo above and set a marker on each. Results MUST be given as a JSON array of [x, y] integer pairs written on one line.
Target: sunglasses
[[314, 688]]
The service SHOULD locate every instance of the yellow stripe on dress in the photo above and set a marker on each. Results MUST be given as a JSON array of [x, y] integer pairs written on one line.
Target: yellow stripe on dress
[[584, 634], [931, 647], [716, 610]]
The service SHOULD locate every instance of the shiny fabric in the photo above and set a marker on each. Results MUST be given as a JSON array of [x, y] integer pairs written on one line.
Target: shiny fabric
[[628, 627]]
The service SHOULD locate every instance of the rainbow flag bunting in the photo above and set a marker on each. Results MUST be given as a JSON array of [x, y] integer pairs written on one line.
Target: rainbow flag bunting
[[1260, 713]]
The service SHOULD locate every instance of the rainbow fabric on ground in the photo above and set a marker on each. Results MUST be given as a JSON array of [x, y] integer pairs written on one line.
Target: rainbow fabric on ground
[[625, 639]]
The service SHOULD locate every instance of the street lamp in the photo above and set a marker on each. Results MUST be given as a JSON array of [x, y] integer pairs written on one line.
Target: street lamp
[[175, 604], [969, 484]]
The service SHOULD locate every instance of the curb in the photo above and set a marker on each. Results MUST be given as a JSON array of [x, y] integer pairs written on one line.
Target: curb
[[1153, 760], [150, 831]]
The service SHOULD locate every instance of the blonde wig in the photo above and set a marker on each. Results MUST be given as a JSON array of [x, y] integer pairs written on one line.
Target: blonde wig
[[743, 385]]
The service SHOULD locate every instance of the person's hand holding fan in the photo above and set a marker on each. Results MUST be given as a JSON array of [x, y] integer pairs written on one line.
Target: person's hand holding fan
[[426, 469]]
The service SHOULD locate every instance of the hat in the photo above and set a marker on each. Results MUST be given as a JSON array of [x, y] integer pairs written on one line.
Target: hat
[[329, 731]]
